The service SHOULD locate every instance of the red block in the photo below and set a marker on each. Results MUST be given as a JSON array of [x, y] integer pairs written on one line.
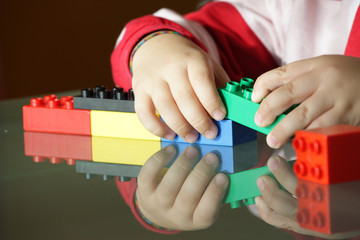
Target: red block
[[328, 155], [57, 147], [49, 114], [328, 209]]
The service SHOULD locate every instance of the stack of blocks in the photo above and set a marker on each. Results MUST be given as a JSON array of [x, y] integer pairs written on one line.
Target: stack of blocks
[[326, 157], [102, 114]]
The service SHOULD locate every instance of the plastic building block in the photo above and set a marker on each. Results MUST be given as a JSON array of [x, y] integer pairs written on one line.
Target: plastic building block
[[237, 99], [123, 151], [328, 209], [57, 147], [328, 155], [107, 170], [243, 188], [233, 159], [230, 134], [120, 125], [101, 98], [49, 114]]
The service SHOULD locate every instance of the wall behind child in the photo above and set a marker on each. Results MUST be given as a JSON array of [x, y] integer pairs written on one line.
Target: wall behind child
[[58, 45]]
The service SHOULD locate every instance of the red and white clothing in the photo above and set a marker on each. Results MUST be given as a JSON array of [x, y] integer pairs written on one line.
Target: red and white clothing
[[249, 37]]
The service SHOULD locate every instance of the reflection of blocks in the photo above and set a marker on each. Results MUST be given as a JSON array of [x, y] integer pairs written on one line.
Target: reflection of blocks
[[328, 155], [243, 188], [49, 114], [124, 151], [328, 208], [240, 108], [101, 98], [233, 159], [107, 170], [119, 124], [57, 147], [230, 134]]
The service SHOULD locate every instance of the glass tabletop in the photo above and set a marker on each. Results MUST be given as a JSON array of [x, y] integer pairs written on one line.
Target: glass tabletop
[[57, 186]]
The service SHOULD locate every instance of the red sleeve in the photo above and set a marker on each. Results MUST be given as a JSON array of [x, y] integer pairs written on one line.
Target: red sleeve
[[241, 52], [127, 191], [353, 45]]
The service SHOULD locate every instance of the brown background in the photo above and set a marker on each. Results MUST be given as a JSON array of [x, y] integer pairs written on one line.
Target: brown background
[[50, 46]]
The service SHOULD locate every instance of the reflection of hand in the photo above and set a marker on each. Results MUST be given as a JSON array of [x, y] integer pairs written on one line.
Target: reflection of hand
[[326, 87], [186, 198], [278, 207]]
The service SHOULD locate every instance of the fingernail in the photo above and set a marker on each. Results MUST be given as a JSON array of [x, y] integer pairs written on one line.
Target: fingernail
[[253, 96], [192, 152], [170, 136], [211, 133], [260, 184], [211, 159], [273, 164], [191, 137], [170, 149], [258, 119], [272, 141], [219, 115], [220, 180]]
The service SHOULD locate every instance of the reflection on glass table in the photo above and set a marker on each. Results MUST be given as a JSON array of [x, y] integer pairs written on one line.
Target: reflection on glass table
[[123, 158]]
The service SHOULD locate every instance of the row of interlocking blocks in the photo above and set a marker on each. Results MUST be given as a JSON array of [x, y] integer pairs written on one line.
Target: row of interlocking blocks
[[101, 112], [72, 148], [328, 209], [328, 155]]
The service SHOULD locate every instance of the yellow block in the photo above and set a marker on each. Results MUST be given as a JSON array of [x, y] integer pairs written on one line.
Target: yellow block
[[119, 124], [123, 151]]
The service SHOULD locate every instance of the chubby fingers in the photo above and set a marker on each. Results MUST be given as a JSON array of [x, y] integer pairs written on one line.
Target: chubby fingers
[[146, 112], [273, 79], [174, 178], [202, 76], [201, 194], [148, 177]]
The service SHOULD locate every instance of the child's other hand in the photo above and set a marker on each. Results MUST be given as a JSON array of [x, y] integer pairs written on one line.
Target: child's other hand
[[185, 198], [326, 87], [174, 76]]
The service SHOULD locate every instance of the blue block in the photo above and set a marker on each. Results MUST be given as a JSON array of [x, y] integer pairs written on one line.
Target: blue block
[[230, 134], [233, 158]]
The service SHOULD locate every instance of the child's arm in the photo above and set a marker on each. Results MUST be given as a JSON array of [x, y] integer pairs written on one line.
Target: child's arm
[[185, 198], [326, 87]]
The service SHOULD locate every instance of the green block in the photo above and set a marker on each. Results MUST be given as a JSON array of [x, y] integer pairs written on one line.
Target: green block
[[237, 99], [243, 188]]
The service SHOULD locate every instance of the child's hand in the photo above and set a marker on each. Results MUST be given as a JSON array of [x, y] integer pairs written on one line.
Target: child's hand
[[184, 199], [326, 87], [174, 76], [278, 207]]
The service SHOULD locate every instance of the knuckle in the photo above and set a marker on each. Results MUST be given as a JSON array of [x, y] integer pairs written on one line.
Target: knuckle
[[183, 129], [200, 123], [282, 70], [290, 89], [201, 176], [302, 112]]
